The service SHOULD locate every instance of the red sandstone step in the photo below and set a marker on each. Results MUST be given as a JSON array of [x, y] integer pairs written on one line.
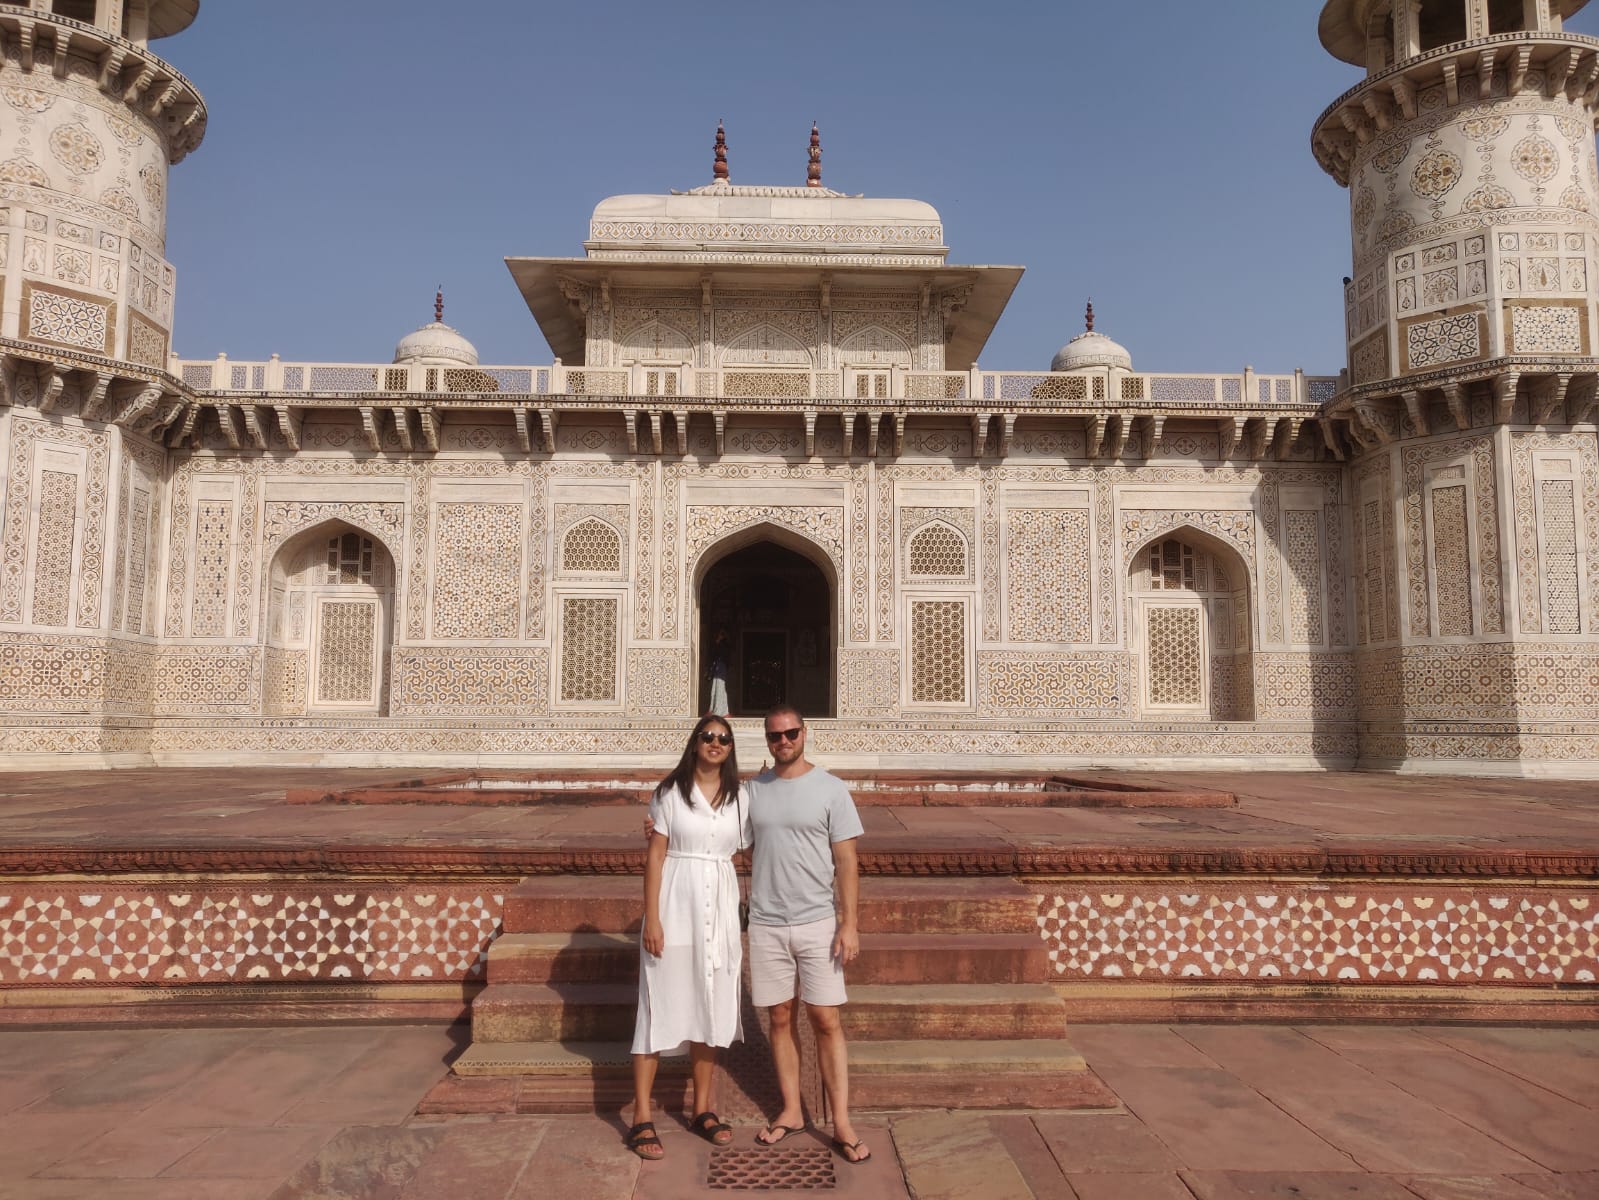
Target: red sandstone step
[[954, 1012], [971, 958], [885, 958], [551, 1095], [564, 958], [614, 904], [973, 1074], [554, 1077], [537, 1012], [591, 1060], [947, 906], [575, 904]]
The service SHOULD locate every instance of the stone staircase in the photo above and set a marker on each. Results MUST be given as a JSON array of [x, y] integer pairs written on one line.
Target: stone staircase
[[949, 1007]]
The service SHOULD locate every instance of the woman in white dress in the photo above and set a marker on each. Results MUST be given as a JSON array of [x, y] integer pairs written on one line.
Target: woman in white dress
[[690, 954]]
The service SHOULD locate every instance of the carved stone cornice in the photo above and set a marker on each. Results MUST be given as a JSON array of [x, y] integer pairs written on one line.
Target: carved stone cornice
[[137, 398], [123, 69], [1559, 391], [1569, 62]]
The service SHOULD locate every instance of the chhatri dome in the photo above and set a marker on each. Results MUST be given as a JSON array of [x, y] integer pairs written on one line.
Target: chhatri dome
[[436, 344], [1090, 349]]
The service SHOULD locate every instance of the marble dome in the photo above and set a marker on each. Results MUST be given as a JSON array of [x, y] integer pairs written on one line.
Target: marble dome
[[1090, 349], [436, 344]]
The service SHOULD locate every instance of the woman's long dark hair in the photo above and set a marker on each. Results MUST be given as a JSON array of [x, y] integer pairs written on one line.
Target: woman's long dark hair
[[681, 777]]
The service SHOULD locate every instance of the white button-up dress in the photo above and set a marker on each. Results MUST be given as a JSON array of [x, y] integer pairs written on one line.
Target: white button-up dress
[[691, 992]]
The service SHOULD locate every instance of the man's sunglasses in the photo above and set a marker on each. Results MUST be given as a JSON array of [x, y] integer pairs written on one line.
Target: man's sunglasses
[[784, 735], [725, 739]]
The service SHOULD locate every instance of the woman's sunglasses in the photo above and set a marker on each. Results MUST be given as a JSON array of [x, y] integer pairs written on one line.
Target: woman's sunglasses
[[725, 739]]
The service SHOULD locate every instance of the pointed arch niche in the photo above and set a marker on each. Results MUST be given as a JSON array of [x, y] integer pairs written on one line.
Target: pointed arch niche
[[1191, 628], [766, 346], [767, 614], [330, 619], [868, 357]]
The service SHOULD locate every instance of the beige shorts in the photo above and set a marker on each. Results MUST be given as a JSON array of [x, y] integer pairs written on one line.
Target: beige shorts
[[779, 953]]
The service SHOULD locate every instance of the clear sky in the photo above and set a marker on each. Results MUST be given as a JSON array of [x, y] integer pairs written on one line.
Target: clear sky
[[1152, 155]]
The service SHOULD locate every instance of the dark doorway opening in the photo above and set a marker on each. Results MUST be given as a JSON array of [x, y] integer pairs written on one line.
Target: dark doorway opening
[[766, 622]]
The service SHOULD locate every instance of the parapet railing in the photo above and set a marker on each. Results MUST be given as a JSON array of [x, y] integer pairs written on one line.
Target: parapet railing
[[845, 387]]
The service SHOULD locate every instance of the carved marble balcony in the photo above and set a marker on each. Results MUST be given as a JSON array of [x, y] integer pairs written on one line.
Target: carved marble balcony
[[37, 40], [1555, 63], [1515, 390]]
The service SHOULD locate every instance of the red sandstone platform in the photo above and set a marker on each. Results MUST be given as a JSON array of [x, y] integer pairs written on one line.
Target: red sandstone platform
[[1338, 824], [175, 896]]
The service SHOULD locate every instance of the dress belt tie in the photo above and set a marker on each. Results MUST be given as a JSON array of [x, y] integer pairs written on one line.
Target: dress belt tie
[[723, 900]]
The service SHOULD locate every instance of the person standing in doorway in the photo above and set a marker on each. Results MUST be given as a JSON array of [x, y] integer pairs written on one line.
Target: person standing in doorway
[[804, 828], [719, 654]]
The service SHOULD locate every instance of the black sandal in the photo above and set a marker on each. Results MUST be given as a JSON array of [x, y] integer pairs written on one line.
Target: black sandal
[[708, 1125], [643, 1134]]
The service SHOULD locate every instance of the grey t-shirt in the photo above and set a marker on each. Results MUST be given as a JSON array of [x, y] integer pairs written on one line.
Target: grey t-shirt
[[795, 823]]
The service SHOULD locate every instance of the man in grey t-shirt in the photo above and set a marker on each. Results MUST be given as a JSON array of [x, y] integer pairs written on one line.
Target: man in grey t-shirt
[[804, 829]]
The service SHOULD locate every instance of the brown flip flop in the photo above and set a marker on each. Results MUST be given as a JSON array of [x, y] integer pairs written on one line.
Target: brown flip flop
[[850, 1152], [783, 1132]]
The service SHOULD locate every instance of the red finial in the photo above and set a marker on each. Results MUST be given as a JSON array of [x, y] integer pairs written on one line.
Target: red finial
[[438, 306], [1088, 317], [813, 172], [719, 170]]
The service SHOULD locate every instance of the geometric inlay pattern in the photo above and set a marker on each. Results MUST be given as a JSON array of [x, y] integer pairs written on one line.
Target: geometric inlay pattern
[[1557, 505], [1034, 683], [589, 628], [1176, 655], [1363, 934], [346, 652], [17, 531], [937, 549], [52, 564], [1302, 594], [471, 680], [213, 550], [68, 320], [138, 562], [938, 652], [477, 570], [1546, 329], [1448, 339], [147, 343], [1452, 561], [228, 930], [1047, 575], [591, 545]]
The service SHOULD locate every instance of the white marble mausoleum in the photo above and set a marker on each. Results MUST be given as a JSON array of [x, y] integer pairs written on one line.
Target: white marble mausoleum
[[762, 438]]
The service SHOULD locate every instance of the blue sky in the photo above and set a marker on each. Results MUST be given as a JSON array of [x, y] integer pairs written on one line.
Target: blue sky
[[1154, 156]]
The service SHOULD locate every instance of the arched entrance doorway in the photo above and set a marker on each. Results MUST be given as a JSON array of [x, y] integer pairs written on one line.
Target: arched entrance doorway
[[1191, 627], [767, 617], [329, 621]]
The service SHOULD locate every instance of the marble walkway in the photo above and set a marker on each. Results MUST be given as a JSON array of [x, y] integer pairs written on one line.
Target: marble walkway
[[1209, 1112]]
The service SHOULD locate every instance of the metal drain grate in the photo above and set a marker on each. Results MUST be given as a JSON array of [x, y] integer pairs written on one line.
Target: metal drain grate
[[799, 1168]]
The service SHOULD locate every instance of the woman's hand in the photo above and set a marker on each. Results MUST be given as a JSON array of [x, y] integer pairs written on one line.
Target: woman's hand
[[654, 936]]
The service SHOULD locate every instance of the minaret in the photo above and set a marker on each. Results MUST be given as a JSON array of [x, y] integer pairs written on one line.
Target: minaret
[[90, 120], [1468, 150]]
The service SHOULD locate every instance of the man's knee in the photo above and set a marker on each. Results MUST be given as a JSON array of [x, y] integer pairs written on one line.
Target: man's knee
[[824, 1019], [782, 1014]]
